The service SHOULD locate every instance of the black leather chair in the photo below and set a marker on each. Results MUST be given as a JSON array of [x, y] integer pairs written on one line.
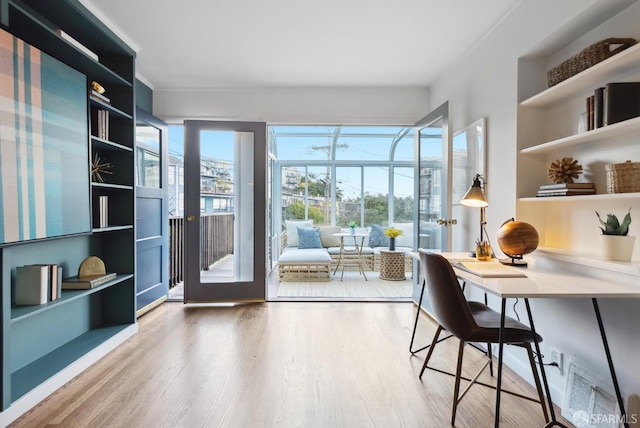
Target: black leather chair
[[469, 322]]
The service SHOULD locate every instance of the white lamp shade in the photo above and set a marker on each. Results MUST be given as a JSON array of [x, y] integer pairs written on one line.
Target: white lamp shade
[[474, 198]]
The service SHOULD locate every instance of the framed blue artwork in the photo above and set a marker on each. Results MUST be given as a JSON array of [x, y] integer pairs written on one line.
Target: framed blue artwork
[[44, 145]]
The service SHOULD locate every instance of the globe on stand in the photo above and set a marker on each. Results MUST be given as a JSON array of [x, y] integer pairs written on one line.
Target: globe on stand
[[515, 239]]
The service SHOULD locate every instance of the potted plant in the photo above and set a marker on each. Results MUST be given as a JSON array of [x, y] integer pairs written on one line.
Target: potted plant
[[352, 225], [392, 233], [617, 245]]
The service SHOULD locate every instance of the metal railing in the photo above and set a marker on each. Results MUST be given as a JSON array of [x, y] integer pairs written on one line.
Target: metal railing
[[216, 242]]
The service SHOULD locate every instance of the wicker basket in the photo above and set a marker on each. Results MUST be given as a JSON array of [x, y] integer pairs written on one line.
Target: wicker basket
[[623, 177], [588, 57]]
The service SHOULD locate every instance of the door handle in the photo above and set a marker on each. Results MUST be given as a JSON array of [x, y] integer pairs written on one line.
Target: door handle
[[447, 222], [191, 218]]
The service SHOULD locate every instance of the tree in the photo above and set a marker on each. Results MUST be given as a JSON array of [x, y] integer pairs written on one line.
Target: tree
[[295, 211]]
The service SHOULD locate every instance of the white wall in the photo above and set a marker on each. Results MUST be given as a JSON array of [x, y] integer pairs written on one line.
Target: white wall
[[354, 106], [485, 83]]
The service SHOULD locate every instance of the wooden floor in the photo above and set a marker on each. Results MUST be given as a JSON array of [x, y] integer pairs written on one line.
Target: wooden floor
[[283, 364]]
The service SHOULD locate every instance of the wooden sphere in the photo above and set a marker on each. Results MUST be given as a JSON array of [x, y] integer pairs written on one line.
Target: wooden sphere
[[517, 238]]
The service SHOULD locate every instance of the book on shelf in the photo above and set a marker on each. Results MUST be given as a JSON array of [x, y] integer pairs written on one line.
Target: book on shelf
[[598, 108], [565, 192], [103, 211], [100, 123], [32, 285], [561, 186], [621, 102], [86, 282], [55, 281], [99, 96]]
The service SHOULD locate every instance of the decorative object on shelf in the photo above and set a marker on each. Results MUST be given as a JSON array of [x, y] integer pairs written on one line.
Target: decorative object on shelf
[[392, 233], [566, 189], [617, 245], [623, 177], [515, 239], [588, 57], [97, 92], [91, 273], [98, 88], [99, 167], [475, 198], [352, 226], [564, 170]]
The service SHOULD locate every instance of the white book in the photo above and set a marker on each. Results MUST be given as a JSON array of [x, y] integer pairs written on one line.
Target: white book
[[32, 285]]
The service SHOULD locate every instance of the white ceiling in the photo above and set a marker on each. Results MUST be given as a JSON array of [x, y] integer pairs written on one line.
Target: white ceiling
[[252, 44]]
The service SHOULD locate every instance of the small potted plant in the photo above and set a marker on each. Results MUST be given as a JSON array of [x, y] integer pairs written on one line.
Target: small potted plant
[[392, 233], [352, 225], [617, 245]]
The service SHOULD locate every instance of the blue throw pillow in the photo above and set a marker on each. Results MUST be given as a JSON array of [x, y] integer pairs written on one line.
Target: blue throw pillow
[[377, 238], [309, 238]]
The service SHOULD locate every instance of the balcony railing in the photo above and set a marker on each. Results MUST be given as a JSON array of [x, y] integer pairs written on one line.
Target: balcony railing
[[216, 242]]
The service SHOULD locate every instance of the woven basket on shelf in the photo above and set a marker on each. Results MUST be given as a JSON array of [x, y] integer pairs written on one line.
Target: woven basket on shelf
[[623, 177], [588, 57]]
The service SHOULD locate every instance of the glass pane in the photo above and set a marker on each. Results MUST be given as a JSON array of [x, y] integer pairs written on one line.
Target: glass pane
[[376, 194], [403, 195], [430, 185], [404, 148], [318, 184], [226, 194], [349, 195], [301, 142], [148, 156]]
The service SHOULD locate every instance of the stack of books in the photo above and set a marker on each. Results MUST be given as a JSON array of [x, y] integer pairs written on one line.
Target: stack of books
[[38, 284], [566, 189]]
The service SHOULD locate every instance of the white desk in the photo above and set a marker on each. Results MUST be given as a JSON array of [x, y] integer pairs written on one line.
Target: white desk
[[548, 283]]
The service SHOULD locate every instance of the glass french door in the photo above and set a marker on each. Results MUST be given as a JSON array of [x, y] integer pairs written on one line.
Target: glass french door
[[225, 211], [433, 187], [434, 183]]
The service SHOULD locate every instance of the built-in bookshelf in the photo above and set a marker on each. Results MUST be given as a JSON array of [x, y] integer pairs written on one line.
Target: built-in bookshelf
[[44, 346], [548, 130]]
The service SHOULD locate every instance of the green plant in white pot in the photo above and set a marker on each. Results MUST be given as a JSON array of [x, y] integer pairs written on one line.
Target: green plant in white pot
[[617, 245]]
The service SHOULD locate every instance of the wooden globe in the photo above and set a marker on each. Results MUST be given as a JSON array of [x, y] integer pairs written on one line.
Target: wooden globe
[[517, 238]]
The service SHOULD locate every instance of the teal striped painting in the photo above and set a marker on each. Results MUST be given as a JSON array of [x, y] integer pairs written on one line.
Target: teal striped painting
[[44, 145]]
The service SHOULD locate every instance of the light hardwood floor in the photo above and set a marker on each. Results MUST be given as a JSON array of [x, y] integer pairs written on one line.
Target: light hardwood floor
[[283, 364]]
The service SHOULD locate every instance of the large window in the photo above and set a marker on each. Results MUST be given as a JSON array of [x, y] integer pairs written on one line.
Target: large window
[[338, 174]]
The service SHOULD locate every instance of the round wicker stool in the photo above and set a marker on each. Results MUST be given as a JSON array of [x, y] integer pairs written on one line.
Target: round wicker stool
[[392, 265]]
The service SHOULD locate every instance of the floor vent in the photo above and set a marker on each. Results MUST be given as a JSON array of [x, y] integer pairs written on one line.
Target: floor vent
[[587, 400]]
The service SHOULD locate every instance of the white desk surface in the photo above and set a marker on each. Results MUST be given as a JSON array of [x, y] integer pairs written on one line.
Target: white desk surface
[[541, 283]]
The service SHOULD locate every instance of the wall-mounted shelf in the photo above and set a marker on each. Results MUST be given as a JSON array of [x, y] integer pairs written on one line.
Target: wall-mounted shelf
[[111, 109], [110, 229], [600, 197], [616, 130], [629, 268], [18, 313], [600, 73], [106, 145], [112, 186]]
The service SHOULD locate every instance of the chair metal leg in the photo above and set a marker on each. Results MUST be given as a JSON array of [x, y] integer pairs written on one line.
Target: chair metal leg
[[536, 379], [456, 388], [431, 348]]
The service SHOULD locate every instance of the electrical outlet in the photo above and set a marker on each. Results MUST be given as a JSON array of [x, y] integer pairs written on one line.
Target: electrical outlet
[[556, 357]]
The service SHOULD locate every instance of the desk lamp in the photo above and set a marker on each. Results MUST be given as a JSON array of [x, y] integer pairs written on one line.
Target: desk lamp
[[475, 198]]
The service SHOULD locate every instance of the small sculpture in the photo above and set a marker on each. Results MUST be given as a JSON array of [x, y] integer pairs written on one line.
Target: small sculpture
[[564, 170]]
